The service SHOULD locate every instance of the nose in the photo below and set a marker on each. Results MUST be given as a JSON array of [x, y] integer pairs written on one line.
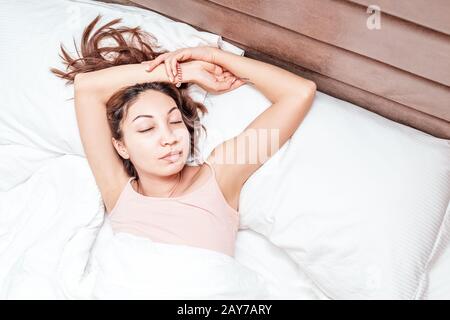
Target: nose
[[167, 136]]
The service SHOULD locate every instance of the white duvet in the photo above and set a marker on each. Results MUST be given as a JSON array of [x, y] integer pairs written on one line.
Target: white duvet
[[124, 266]]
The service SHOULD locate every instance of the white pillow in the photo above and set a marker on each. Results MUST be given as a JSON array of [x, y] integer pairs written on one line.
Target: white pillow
[[37, 110], [355, 199], [286, 280], [437, 286], [18, 163]]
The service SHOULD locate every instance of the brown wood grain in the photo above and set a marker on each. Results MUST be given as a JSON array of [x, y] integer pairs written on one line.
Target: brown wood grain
[[343, 24], [377, 104], [432, 14]]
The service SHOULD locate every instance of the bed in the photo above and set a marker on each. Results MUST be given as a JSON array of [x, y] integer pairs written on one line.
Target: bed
[[354, 206]]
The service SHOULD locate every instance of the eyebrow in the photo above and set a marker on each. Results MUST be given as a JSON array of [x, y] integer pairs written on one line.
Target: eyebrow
[[150, 116]]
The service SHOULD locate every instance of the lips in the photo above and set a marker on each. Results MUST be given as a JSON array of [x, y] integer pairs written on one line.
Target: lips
[[172, 156]]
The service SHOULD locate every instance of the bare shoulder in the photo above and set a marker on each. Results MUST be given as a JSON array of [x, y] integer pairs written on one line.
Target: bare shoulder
[[116, 185], [229, 184]]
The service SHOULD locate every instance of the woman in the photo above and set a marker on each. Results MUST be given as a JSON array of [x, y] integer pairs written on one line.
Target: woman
[[137, 129]]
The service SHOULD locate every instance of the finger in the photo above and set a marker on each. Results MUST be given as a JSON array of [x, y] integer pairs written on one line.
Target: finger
[[175, 61], [220, 77], [157, 61], [224, 85], [151, 64], [225, 70], [217, 69], [227, 74], [236, 84], [169, 71], [184, 55], [174, 64], [211, 67]]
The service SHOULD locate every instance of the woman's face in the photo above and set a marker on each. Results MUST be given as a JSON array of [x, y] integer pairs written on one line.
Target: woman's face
[[154, 127]]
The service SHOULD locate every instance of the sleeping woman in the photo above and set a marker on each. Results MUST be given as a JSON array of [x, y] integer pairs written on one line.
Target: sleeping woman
[[138, 129]]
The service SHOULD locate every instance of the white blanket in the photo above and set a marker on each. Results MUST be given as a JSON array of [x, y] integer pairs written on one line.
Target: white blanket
[[124, 266], [38, 218]]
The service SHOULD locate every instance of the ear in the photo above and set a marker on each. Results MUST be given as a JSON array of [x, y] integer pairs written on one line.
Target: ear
[[120, 148]]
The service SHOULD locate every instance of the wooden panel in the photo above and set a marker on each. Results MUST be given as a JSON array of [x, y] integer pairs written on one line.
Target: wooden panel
[[327, 49], [343, 24], [379, 105], [433, 14]]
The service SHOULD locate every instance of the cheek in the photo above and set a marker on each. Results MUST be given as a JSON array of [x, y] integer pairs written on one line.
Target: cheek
[[184, 138], [143, 148]]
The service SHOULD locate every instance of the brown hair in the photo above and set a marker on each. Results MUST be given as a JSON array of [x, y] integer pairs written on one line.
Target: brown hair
[[135, 50]]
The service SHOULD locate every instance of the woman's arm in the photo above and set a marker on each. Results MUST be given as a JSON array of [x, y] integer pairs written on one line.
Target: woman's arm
[[107, 81], [103, 83], [274, 82], [291, 98]]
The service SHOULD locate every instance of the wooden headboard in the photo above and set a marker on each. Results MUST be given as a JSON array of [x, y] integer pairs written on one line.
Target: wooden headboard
[[392, 59]]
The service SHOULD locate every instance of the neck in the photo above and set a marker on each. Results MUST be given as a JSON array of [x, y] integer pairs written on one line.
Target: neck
[[159, 187]]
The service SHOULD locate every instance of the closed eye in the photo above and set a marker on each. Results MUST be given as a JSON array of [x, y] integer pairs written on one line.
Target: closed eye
[[146, 130], [153, 128]]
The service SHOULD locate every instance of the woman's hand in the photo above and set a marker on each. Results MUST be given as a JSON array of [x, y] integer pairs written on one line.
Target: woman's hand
[[207, 75], [198, 67], [212, 78], [170, 59]]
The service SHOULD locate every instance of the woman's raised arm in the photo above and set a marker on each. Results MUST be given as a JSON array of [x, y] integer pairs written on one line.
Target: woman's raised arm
[[103, 83], [291, 98], [274, 82]]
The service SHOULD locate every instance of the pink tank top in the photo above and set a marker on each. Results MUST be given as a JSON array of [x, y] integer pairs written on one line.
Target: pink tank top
[[201, 218]]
